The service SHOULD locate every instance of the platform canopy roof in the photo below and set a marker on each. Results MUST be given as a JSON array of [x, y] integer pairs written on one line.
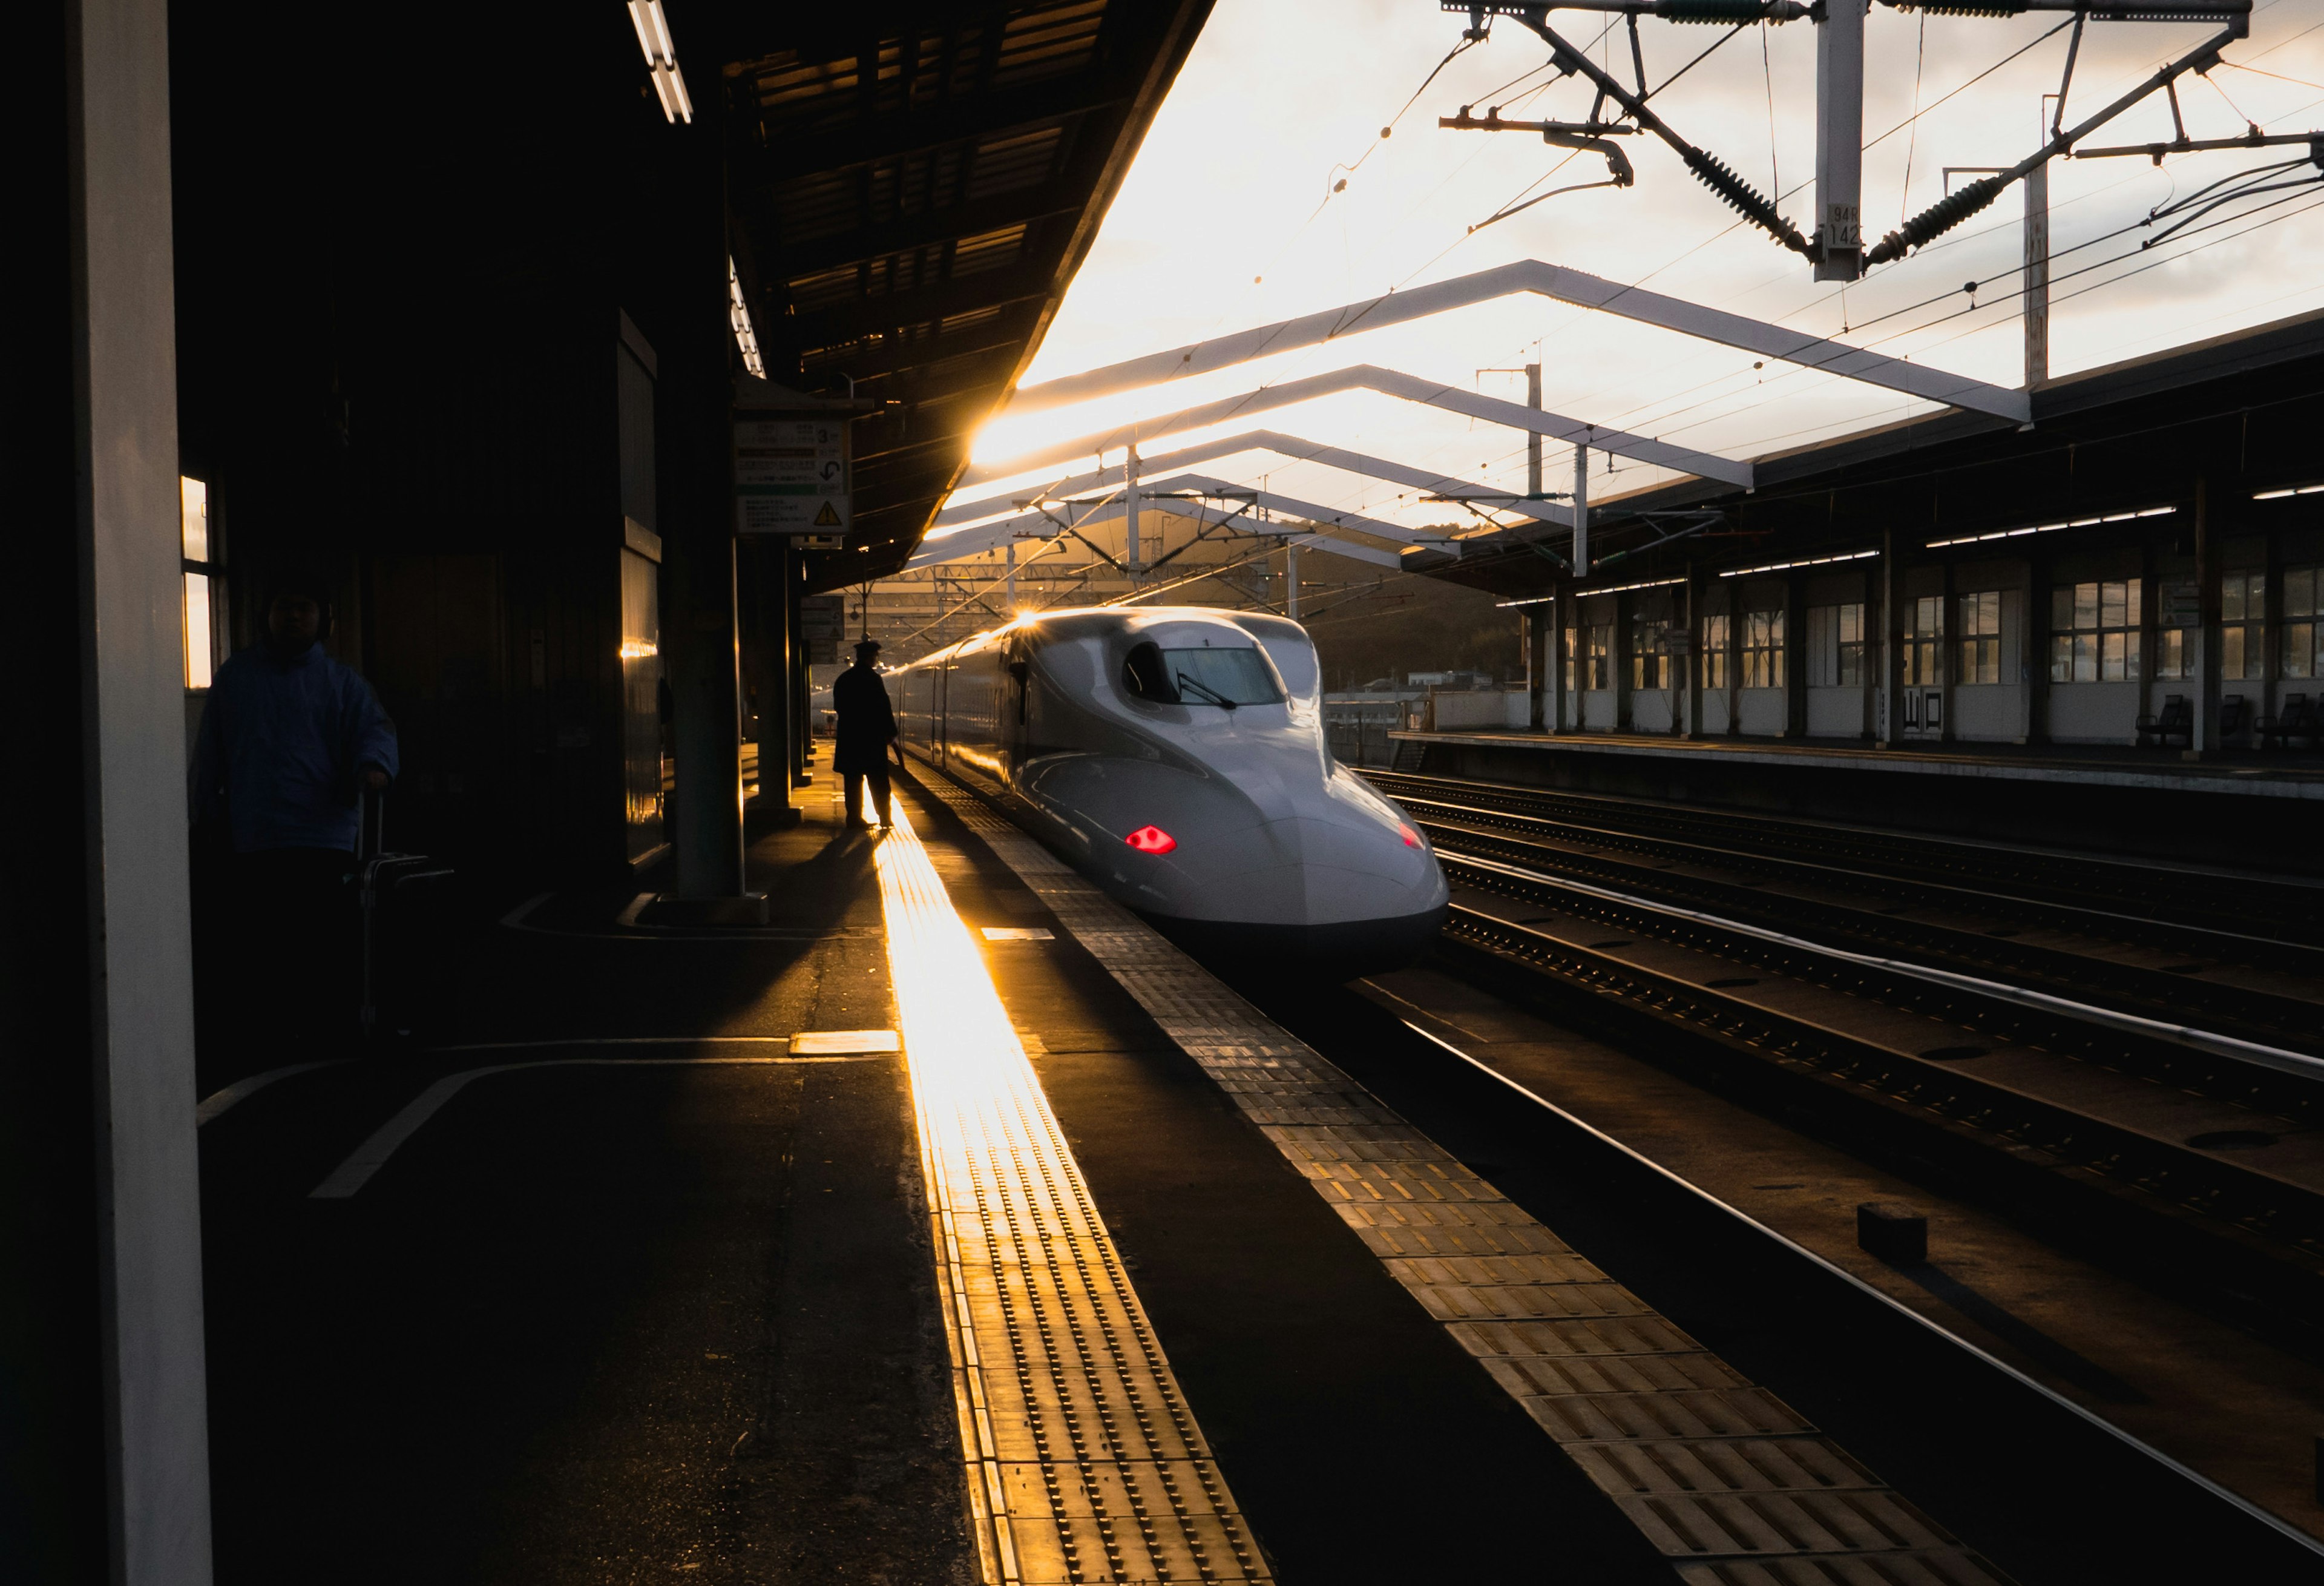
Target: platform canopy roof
[[913, 187]]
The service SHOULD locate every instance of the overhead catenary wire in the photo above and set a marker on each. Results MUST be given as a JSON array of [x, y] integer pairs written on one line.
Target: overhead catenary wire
[[2098, 269]]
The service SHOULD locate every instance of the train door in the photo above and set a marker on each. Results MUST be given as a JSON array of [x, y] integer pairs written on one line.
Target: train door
[[1016, 698], [939, 730]]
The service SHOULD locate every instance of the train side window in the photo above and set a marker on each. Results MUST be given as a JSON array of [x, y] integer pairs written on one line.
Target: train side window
[[1144, 674]]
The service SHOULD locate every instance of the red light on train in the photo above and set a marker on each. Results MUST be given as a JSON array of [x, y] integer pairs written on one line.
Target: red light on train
[[1411, 837], [1151, 839]]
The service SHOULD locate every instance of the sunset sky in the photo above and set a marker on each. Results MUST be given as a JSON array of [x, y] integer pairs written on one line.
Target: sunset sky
[[1228, 220]]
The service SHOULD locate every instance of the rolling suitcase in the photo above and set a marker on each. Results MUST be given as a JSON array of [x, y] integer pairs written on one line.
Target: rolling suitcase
[[401, 900]]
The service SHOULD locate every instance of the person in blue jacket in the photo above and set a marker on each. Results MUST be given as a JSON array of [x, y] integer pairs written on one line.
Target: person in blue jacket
[[289, 740]]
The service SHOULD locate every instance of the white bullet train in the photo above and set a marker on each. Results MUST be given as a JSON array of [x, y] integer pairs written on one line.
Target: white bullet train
[[1176, 756]]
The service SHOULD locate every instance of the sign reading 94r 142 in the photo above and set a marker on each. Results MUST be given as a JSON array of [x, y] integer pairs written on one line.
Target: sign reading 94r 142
[[790, 475]]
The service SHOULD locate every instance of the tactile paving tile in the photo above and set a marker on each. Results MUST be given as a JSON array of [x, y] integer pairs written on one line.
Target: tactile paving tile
[[1731, 1484], [1084, 1462]]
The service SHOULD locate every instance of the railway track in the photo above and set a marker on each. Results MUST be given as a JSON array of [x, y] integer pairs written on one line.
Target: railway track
[[2075, 966], [2035, 1075], [2259, 921]]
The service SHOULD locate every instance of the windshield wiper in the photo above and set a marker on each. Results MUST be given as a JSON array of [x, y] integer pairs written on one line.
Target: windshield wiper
[[1205, 690]]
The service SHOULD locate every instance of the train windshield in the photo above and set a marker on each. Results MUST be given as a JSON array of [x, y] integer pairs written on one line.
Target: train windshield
[[1220, 677]]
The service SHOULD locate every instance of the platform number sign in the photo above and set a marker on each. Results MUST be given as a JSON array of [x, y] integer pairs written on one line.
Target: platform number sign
[[792, 475]]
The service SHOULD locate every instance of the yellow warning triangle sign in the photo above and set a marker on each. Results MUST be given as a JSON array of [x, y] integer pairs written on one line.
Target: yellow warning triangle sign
[[828, 517]]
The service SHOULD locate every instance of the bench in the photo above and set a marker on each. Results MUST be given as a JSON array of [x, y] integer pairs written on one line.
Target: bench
[[2177, 721], [2298, 721]]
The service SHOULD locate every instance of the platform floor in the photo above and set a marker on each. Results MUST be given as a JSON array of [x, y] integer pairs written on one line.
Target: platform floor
[[1104, 1276]]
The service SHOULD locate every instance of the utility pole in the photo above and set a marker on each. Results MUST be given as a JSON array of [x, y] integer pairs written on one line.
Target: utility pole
[[1840, 141], [1533, 436], [2037, 272], [1291, 580], [1008, 577], [1580, 510], [1129, 512]]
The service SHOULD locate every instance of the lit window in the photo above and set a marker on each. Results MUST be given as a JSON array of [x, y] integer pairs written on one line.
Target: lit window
[[1835, 646], [2094, 633], [1649, 639], [1714, 651], [1763, 649], [2302, 656], [2243, 626], [203, 596], [1602, 655], [1980, 637], [1925, 642]]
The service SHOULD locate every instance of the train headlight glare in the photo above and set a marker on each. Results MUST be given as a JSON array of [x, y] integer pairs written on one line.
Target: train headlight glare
[[1411, 837], [1151, 839]]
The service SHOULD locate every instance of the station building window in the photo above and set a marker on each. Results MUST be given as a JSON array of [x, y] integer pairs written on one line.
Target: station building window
[[1649, 640], [203, 593], [1572, 639], [1925, 642], [1980, 637], [2303, 655], [1714, 651], [1835, 646], [1763, 649], [2094, 633], [2243, 628], [1601, 656]]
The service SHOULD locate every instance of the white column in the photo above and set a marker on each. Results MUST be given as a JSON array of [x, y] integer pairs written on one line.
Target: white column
[[148, 1271], [1291, 582]]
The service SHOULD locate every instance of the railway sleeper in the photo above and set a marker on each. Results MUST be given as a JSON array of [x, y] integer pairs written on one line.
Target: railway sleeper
[[2232, 1241], [2166, 1063]]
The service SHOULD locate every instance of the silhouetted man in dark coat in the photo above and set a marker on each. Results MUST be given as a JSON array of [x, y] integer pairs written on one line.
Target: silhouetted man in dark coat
[[867, 726]]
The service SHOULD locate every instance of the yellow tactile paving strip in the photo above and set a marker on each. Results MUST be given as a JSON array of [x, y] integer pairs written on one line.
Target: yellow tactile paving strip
[[1730, 1483], [1084, 1462]]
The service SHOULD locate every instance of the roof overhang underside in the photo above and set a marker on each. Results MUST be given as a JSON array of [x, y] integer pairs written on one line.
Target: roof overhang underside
[[920, 185]]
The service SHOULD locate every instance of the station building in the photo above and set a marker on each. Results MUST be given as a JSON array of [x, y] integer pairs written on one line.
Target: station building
[[2136, 569]]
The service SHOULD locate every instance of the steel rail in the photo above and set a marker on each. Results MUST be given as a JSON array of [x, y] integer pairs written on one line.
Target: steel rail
[[2211, 1042], [2190, 1214], [1942, 870], [2234, 1010]]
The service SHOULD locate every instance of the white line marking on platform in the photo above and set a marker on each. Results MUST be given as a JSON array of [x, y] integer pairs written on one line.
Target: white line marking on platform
[[369, 1156], [515, 918], [219, 1101], [1018, 933]]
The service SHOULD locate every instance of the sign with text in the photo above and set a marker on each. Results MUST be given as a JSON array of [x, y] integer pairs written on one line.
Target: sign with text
[[791, 474], [823, 624]]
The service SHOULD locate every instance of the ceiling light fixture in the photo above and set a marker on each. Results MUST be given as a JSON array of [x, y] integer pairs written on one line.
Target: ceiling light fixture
[[661, 60]]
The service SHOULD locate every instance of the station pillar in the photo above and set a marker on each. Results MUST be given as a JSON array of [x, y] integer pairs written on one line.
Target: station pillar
[[771, 559], [696, 402], [105, 1438], [2204, 742]]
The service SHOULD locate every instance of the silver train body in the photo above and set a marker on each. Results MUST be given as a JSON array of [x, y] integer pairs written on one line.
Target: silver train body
[[1176, 756]]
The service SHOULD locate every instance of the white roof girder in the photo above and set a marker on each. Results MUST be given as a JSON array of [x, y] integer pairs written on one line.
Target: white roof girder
[[1391, 383], [1323, 521], [1285, 446], [1544, 280]]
